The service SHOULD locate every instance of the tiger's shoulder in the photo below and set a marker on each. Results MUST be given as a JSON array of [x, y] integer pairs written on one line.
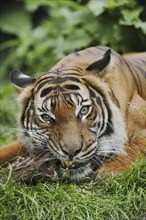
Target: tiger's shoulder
[[87, 56], [84, 57]]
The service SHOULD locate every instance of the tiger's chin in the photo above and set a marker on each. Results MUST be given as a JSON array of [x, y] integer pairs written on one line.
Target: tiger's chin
[[75, 172]]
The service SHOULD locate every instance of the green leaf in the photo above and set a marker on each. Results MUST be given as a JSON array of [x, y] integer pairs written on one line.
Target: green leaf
[[131, 18], [116, 3], [15, 19], [97, 7]]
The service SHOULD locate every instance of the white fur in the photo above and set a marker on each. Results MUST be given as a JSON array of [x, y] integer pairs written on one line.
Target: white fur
[[119, 138]]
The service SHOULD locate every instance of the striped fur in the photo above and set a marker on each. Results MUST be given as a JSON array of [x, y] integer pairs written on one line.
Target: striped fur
[[87, 110]]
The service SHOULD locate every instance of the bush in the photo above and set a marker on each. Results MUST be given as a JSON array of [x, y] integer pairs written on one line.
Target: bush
[[36, 34]]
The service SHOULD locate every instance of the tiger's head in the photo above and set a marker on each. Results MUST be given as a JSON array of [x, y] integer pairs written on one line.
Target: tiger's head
[[72, 114]]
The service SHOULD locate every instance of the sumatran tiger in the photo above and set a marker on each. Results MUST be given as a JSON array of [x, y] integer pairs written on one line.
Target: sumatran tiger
[[88, 111]]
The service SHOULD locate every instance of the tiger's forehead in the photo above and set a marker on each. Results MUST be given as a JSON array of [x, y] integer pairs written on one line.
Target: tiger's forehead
[[66, 80], [62, 104], [60, 91], [56, 74], [67, 94], [66, 86]]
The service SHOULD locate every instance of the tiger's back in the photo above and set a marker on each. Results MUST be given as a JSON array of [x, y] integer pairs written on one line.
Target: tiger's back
[[137, 63]]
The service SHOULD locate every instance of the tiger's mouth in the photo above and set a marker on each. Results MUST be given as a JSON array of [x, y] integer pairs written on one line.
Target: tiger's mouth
[[76, 171], [71, 165]]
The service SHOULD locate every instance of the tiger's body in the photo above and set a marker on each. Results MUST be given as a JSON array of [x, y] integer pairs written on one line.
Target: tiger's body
[[89, 111]]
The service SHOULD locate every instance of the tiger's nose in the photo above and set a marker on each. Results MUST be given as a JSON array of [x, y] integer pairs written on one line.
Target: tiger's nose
[[71, 152]]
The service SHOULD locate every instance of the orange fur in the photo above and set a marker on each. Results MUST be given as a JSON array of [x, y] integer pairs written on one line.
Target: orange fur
[[121, 163], [10, 151]]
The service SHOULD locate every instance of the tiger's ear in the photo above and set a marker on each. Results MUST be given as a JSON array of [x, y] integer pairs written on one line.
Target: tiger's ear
[[19, 80], [100, 64]]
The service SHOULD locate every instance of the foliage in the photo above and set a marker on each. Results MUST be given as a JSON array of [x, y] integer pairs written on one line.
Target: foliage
[[122, 197], [35, 34], [8, 114]]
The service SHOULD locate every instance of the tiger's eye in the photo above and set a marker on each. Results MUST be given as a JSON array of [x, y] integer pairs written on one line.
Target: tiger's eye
[[46, 118], [84, 110]]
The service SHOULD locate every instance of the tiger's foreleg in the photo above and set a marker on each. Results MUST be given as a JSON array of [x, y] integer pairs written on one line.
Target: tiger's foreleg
[[121, 163], [10, 151]]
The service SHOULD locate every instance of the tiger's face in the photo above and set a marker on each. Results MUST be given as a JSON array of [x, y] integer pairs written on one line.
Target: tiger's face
[[68, 113], [68, 121]]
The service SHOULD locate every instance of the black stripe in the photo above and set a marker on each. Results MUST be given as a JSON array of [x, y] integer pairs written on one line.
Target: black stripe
[[99, 102], [89, 152], [139, 82], [44, 105], [45, 78], [31, 121], [92, 87], [53, 143], [77, 54], [140, 70], [52, 77], [109, 128], [26, 104], [27, 117], [40, 110], [58, 80], [94, 132], [132, 73], [64, 79], [101, 48], [72, 87], [92, 93], [114, 99], [46, 91], [72, 74], [26, 134], [53, 103], [59, 71], [68, 99], [32, 100], [52, 146], [90, 51], [28, 109]]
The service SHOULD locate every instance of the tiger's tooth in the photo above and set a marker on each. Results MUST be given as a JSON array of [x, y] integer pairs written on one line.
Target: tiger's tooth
[[66, 163]]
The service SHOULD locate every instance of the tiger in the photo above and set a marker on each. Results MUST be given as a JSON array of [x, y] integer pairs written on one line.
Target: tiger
[[88, 111]]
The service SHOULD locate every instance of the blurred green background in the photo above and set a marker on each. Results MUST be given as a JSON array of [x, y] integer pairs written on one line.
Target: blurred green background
[[35, 34]]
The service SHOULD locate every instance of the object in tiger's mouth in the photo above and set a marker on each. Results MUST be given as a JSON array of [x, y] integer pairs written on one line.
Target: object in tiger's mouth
[[44, 167], [36, 168]]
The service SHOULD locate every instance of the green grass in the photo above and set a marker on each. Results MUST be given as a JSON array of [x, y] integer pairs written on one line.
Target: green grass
[[122, 197], [117, 198]]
